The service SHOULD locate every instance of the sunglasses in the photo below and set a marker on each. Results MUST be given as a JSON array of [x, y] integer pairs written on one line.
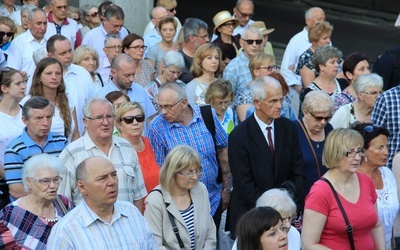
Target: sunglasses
[[129, 119], [94, 14], [320, 118], [171, 10], [251, 41], [370, 128], [9, 34]]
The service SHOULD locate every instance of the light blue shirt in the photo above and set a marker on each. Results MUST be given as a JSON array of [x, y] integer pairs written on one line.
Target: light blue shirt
[[82, 228], [151, 39], [238, 72]]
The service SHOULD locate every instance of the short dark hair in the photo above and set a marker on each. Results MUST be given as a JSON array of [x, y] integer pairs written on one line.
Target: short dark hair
[[368, 136], [114, 95], [351, 62], [129, 39], [114, 11], [50, 43], [228, 51], [35, 102]]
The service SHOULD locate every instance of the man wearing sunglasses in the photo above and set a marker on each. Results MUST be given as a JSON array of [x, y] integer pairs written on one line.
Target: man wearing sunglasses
[[58, 23], [243, 11], [238, 71], [100, 141]]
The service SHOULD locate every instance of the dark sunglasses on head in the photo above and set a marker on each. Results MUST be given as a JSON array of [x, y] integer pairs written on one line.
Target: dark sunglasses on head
[[370, 128], [251, 41], [129, 119], [9, 34]]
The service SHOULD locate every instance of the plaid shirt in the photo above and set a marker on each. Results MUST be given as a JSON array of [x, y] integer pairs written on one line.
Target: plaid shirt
[[386, 113], [238, 73], [164, 136]]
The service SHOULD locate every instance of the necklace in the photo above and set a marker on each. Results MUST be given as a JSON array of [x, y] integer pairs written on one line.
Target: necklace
[[51, 220], [317, 143]]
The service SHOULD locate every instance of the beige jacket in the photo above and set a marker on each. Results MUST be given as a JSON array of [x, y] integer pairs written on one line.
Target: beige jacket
[[157, 216]]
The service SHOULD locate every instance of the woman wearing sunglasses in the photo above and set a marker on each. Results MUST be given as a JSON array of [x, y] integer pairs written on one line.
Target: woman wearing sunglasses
[[130, 120], [7, 31], [181, 200], [367, 88], [133, 45], [225, 24], [373, 164], [357, 225], [91, 18]]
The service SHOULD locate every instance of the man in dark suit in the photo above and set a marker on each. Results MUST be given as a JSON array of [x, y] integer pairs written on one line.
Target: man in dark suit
[[264, 153]]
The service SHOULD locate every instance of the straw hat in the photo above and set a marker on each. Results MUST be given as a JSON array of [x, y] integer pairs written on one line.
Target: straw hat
[[223, 17], [261, 26]]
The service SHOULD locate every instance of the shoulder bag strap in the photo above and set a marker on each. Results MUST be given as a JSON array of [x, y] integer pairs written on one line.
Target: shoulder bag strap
[[311, 146], [101, 79], [61, 204], [349, 228], [172, 219]]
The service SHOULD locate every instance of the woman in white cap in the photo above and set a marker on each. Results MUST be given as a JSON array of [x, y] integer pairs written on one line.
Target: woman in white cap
[[266, 46], [225, 24]]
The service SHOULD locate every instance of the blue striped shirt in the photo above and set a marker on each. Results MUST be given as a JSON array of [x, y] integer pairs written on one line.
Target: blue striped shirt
[[164, 136], [188, 217], [82, 228], [24, 147]]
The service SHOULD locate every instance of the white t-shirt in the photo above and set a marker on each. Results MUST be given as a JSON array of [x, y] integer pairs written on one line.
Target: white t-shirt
[[10, 127]]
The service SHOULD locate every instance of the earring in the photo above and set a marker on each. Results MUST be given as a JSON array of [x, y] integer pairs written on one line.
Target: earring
[[366, 158]]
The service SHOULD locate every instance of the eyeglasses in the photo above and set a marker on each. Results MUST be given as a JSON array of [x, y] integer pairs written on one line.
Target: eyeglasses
[[115, 47], [231, 24], [269, 68], [47, 181], [172, 10], [9, 34], [130, 119], [169, 107], [370, 128], [367, 92], [94, 14], [352, 153], [139, 47], [100, 119], [221, 104], [245, 15], [251, 41], [320, 118], [77, 19], [203, 37], [191, 173]]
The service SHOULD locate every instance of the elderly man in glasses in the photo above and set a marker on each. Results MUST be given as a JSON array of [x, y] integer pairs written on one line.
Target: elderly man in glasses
[[99, 141], [238, 71], [180, 123]]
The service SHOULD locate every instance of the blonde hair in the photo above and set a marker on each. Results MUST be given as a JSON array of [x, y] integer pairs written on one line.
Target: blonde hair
[[257, 60], [80, 52], [201, 53], [178, 159], [337, 143], [126, 107]]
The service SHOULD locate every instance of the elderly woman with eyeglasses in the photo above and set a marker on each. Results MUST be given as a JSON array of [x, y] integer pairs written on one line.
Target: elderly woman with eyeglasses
[[313, 129], [181, 200], [367, 88], [373, 164], [324, 225], [91, 18], [133, 45], [30, 218], [130, 120]]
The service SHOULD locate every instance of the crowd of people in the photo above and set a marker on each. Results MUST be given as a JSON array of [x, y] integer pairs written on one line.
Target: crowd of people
[[175, 139]]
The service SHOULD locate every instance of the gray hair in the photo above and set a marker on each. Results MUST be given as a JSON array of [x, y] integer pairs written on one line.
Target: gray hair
[[89, 103], [259, 86], [317, 101], [173, 58], [239, 2], [363, 82], [85, 8], [109, 38], [39, 54], [118, 59], [33, 11], [279, 199], [323, 54], [36, 102], [192, 26], [114, 11], [310, 12], [252, 30], [178, 89], [40, 162], [27, 8]]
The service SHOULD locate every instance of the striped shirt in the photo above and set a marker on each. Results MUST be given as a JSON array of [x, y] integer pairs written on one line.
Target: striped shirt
[[82, 228], [188, 217], [24, 147], [164, 136]]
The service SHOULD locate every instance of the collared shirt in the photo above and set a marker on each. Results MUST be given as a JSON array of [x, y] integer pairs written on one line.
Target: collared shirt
[[69, 28], [263, 126], [82, 228], [386, 114], [21, 51], [79, 87], [23, 147], [96, 38], [151, 39], [105, 69], [238, 72], [136, 93], [131, 186], [164, 136], [15, 15], [239, 29], [296, 46]]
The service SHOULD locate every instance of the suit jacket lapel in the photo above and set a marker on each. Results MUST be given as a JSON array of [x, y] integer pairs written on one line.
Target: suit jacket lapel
[[258, 137]]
